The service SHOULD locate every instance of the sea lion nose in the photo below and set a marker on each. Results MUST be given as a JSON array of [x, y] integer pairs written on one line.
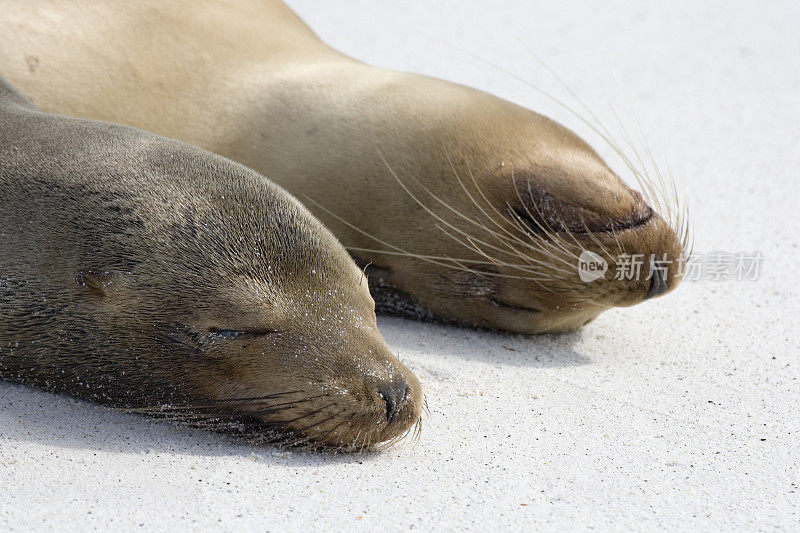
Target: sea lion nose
[[658, 284], [394, 394]]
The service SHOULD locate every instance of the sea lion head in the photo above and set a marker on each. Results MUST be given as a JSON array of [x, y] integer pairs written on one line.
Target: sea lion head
[[274, 315], [149, 274], [518, 224]]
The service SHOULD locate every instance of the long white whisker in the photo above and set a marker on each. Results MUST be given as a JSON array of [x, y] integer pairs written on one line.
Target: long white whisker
[[437, 217]]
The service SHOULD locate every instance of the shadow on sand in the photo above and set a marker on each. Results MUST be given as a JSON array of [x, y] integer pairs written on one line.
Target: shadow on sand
[[31, 415], [495, 348]]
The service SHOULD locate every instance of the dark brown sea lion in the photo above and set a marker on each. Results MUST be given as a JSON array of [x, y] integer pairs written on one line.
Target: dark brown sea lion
[[142, 272], [466, 207]]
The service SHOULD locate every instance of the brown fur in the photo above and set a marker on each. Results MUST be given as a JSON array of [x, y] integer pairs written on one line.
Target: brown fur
[[141, 272], [248, 79]]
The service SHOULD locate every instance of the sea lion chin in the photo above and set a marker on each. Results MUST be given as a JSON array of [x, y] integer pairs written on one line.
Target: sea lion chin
[[147, 274], [466, 207]]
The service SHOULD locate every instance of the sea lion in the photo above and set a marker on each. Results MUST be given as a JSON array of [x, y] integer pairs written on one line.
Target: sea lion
[[145, 273], [464, 206]]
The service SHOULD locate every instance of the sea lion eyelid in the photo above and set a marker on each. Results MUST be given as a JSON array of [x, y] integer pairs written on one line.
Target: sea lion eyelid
[[236, 333]]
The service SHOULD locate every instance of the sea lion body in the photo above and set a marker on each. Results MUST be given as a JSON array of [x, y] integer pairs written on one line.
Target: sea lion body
[[466, 207], [142, 272]]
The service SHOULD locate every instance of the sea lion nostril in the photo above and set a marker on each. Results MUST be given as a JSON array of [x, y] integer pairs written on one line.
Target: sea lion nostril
[[658, 284], [393, 394]]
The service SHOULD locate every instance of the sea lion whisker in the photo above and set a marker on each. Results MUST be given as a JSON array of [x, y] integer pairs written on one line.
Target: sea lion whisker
[[641, 176], [353, 445], [458, 266], [257, 398], [531, 271], [597, 126], [289, 437], [383, 446], [432, 213], [530, 278], [536, 280], [535, 244], [244, 400], [364, 272], [475, 202], [682, 207], [181, 415], [667, 207], [607, 138], [274, 408], [366, 442], [556, 236], [369, 235], [545, 246], [467, 243], [554, 239], [653, 194], [593, 237], [499, 215], [475, 248], [670, 201], [208, 405], [656, 192], [417, 431], [620, 249], [421, 256], [502, 238], [306, 415], [525, 268], [320, 423], [683, 223], [664, 184], [337, 426]]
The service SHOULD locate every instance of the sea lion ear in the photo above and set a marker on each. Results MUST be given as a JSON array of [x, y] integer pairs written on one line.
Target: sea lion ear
[[94, 282]]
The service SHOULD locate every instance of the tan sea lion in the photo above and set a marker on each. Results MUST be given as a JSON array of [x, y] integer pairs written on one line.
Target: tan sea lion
[[466, 207], [145, 273]]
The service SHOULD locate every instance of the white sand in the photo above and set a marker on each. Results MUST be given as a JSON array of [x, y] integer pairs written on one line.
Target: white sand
[[681, 413]]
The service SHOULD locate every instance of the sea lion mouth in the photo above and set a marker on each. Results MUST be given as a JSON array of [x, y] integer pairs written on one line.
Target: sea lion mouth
[[302, 419], [543, 213]]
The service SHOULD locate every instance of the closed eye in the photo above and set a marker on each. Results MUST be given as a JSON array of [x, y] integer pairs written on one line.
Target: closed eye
[[500, 303], [227, 334]]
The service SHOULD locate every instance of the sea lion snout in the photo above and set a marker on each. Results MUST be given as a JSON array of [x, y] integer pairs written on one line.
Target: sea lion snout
[[658, 285], [351, 410], [394, 395], [397, 399]]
